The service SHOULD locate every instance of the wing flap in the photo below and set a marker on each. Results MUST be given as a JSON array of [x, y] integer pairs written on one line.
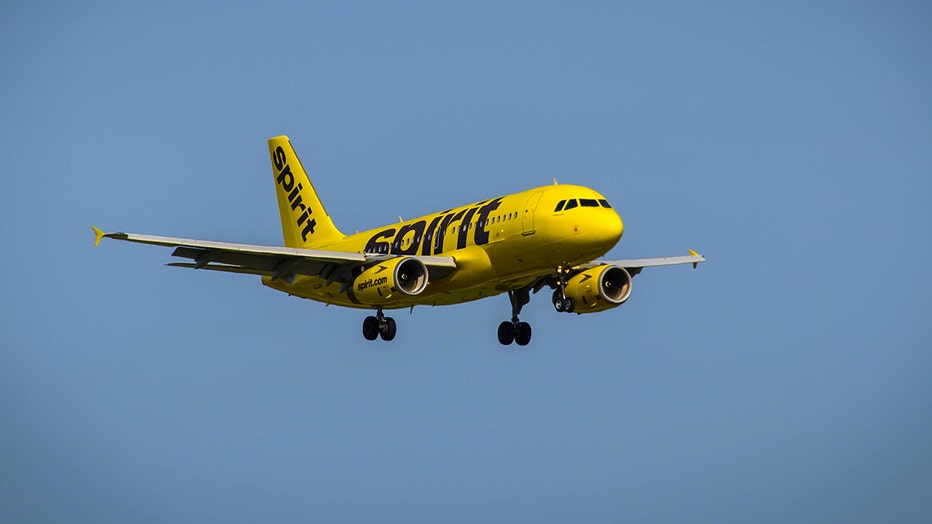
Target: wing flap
[[222, 268]]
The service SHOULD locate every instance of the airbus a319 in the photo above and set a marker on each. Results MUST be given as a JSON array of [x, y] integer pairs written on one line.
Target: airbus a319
[[546, 237]]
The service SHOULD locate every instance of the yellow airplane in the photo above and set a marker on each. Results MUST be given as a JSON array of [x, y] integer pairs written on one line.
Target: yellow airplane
[[548, 236]]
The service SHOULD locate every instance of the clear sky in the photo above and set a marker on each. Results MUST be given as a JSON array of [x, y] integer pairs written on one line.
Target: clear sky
[[786, 380]]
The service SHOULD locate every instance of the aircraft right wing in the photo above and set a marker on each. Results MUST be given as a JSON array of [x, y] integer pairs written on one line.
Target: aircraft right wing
[[276, 262]]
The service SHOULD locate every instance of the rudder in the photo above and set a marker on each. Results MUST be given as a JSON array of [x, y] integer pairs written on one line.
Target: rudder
[[305, 222]]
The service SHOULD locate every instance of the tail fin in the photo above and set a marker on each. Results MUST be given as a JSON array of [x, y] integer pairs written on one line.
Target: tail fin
[[305, 222]]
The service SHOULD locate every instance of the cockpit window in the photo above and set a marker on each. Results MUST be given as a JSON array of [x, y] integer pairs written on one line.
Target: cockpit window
[[588, 202], [570, 204], [559, 206], [604, 203]]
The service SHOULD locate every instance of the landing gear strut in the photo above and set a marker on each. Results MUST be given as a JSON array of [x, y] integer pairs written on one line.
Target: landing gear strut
[[379, 326], [561, 302], [516, 331]]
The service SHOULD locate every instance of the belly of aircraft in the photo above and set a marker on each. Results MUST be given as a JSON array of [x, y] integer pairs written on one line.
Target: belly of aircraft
[[481, 272]]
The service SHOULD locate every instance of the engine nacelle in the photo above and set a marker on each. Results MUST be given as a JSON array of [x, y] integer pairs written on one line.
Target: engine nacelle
[[599, 288], [404, 276]]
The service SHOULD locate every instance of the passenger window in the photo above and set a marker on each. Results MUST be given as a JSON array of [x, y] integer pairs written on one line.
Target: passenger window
[[604, 203], [559, 206], [570, 204], [588, 202]]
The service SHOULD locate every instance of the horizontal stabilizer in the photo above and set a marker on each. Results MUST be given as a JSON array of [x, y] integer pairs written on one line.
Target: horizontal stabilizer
[[98, 234]]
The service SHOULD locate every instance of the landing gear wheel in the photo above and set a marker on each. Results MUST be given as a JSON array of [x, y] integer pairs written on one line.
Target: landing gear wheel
[[559, 303], [506, 333], [522, 333], [516, 331], [370, 328], [387, 331]]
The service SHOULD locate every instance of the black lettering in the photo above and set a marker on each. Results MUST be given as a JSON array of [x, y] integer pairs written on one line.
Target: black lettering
[[374, 246], [294, 193], [464, 229], [430, 231], [482, 235], [418, 228], [302, 218], [279, 158], [297, 202], [286, 179], [442, 232], [308, 229]]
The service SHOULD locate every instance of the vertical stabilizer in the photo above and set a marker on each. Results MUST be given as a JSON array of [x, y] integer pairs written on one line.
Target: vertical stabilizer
[[305, 222]]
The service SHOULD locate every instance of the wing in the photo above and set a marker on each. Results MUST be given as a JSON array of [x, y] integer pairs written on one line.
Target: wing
[[272, 261], [635, 265]]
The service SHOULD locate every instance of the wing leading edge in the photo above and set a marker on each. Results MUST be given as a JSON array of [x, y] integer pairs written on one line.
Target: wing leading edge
[[635, 265], [273, 261]]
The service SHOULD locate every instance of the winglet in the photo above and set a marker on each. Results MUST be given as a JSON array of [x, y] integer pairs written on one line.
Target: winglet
[[693, 253], [98, 234]]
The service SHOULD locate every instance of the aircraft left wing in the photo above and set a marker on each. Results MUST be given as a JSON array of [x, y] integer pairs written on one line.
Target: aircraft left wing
[[276, 262], [635, 265]]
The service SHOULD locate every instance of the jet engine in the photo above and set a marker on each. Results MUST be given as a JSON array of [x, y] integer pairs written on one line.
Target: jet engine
[[599, 288], [402, 276]]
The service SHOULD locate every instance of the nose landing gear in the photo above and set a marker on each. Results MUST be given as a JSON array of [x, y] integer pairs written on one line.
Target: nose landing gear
[[561, 302]]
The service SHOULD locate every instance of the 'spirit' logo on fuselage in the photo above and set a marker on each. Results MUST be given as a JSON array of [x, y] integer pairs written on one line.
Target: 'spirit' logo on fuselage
[[428, 238]]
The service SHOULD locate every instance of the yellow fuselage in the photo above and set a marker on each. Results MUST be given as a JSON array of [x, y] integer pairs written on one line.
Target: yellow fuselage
[[498, 244]]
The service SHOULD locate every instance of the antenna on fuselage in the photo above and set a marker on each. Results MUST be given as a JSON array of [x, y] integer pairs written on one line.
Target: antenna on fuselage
[[554, 180]]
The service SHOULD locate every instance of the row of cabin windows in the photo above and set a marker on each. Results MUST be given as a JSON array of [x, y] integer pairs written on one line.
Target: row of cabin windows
[[464, 227], [565, 205]]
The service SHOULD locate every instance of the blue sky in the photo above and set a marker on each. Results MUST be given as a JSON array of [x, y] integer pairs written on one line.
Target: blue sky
[[785, 380]]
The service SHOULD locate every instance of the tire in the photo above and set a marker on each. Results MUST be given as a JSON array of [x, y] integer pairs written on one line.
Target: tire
[[558, 303], [523, 333], [390, 329], [506, 333], [370, 328], [570, 305]]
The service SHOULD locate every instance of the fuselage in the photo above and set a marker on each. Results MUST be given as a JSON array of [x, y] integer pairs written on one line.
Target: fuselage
[[499, 244]]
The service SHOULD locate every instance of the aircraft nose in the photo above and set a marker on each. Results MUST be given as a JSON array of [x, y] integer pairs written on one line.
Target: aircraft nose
[[605, 229], [612, 227]]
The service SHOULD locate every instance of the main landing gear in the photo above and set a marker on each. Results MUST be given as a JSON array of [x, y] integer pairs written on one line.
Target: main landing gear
[[561, 302], [379, 326], [516, 331]]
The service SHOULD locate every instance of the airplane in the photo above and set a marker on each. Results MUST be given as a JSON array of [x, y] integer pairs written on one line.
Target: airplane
[[549, 236]]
